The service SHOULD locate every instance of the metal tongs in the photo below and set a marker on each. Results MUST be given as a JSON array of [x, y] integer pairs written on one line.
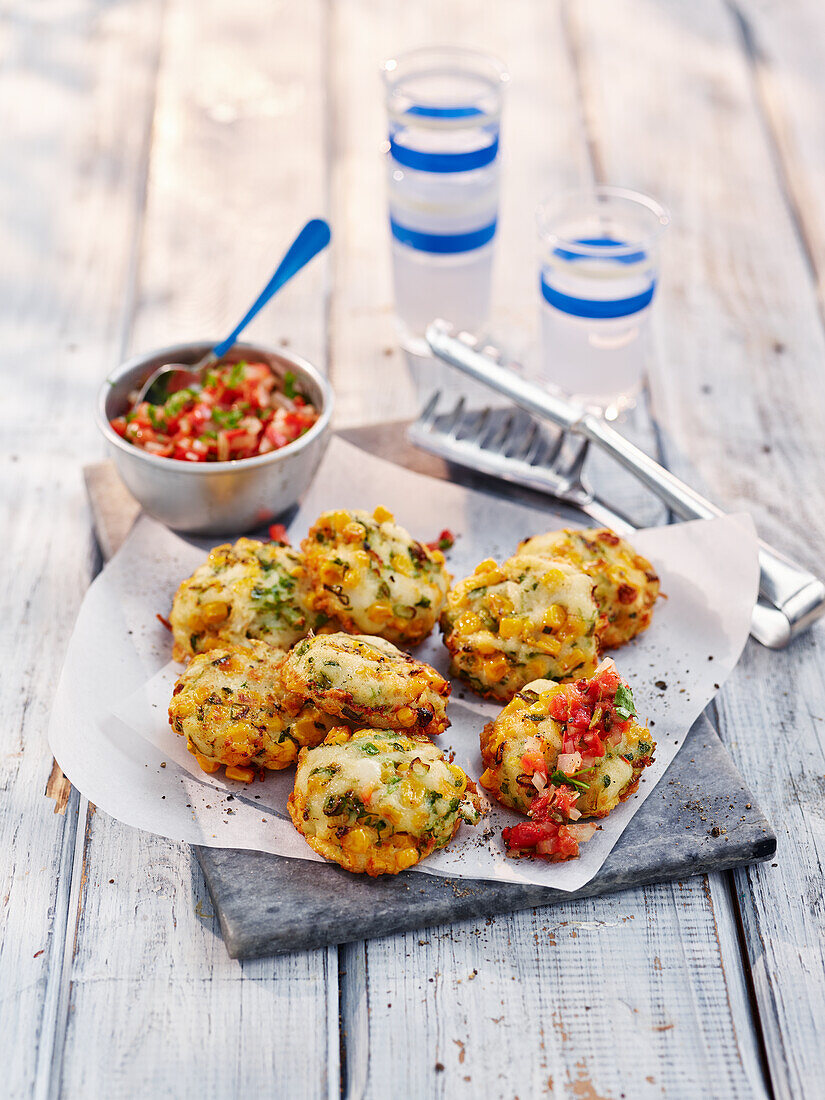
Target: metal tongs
[[790, 598]]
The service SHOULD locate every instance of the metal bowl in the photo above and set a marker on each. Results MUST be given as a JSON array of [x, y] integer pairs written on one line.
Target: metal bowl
[[215, 498]]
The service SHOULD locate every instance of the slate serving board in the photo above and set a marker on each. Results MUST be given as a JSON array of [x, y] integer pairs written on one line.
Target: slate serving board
[[700, 817]]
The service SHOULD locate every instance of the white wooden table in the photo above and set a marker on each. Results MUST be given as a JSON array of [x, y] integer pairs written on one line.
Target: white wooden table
[[157, 156]]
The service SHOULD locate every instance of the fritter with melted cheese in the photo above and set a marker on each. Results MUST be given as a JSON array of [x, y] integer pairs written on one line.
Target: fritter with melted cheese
[[512, 623], [249, 590], [226, 703], [378, 801], [365, 681], [626, 585], [584, 736], [372, 577]]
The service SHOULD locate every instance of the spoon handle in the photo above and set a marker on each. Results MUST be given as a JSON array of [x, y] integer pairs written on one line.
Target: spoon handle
[[313, 238]]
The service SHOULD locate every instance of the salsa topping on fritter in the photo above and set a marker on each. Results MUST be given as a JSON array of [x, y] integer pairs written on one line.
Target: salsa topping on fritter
[[597, 720]]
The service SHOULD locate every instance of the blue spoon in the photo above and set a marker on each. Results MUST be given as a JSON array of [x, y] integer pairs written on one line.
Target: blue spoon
[[313, 238]]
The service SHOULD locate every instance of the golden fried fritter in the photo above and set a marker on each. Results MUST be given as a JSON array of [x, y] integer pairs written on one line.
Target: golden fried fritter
[[226, 703], [372, 577], [365, 681], [512, 623], [626, 586], [583, 736], [378, 801], [249, 590]]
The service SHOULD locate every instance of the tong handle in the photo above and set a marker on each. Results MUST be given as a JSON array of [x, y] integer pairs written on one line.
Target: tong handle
[[783, 585], [791, 598]]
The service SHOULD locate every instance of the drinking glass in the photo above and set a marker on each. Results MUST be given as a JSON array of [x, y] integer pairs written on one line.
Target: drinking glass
[[444, 110], [599, 271]]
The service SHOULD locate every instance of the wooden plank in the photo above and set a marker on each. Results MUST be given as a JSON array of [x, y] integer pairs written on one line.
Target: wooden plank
[[653, 966], [146, 964], [151, 970], [784, 47], [740, 389], [237, 167], [586, 999], [70, 203]]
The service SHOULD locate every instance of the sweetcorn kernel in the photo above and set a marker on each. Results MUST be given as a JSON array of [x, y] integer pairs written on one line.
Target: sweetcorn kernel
[[469, 622], [406, 716], [496, 668], [330, 573], [338, 736], [555, 615], [552, 578], [213, 613], [535, 669], [575, 657], [281, 756], [381, 515], [207, 765], [380, 611], [511, 626], [353, 532], [357, 841], [487, 779], [406, 858], [243, 775], [402, 563]]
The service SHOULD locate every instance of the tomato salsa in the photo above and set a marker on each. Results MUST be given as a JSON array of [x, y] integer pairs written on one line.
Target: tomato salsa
[[238, 412], [594, 715]]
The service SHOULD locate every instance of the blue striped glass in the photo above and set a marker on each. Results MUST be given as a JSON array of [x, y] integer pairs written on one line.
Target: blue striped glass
[[444, 112]]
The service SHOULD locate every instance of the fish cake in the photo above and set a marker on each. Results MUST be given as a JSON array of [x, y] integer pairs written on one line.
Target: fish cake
[[626, 585], [561, 752], [365, 681], [526, 619], [226, 703], [378, 801], [372, 577], [247, 590]]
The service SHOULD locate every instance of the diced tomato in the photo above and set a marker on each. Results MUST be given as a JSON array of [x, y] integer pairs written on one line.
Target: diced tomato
[[526, 834], [232, 416], [533, 761], [275, 436], [552, 840], [277, 533], [565, 799], [591, 743], [567, 846], [445, 541]]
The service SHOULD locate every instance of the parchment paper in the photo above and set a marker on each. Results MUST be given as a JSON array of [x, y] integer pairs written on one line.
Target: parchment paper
[[110, 734]]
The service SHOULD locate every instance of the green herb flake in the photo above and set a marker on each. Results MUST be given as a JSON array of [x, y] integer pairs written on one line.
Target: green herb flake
[[623, 704], [236, 375], [575, 780]]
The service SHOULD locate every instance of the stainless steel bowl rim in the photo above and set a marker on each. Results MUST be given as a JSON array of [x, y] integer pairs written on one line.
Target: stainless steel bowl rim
[[199, 469]]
